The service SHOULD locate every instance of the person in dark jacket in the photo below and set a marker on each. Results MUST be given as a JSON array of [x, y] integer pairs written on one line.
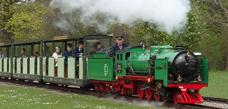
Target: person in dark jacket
[[78, 50], [68, 52], [119, 46]]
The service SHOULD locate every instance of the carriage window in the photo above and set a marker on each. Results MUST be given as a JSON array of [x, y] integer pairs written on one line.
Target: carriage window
[[22, 51], [4, 52], [48, 49], [96, 46]]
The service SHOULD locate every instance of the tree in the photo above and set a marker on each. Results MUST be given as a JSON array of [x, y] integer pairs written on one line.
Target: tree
[[28, 21], [214, 13], [5, 15], [148, 33]]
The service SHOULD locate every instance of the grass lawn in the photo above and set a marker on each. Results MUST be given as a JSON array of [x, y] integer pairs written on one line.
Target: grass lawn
[[19, 97], [218, 85]]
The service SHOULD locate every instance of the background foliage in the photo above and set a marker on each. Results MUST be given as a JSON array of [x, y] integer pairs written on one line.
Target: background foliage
[[206, 31]]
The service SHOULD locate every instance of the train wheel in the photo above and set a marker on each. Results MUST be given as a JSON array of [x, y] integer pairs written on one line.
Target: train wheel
[[156, 97], [176, 98], [123, 92], [140, 93], [97, 88], [149, 94]]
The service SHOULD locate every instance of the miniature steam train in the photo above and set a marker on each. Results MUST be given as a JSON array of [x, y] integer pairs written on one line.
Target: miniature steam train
[[160, 73]]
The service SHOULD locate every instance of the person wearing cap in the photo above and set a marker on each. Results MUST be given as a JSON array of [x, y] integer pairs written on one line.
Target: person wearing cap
[[119, 46]]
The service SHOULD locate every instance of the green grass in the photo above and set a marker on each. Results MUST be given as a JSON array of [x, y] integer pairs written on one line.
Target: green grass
[[19, 97], [218, 85]]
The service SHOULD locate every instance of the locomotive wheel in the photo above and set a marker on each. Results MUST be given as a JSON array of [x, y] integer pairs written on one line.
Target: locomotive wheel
[[156, 97], [140, 93], [97, 88], [123, 92], [149, 94]]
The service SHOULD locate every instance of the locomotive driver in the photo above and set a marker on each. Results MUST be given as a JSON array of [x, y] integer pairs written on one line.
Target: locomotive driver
[[119, 46]]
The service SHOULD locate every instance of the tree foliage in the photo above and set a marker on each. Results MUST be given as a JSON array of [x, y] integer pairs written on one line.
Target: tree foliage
[[28, 21], [213, 17], [206, 29], [5, 14]]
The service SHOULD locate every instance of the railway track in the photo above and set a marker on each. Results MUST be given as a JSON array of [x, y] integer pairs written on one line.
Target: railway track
[[216, 99], [210, 102], [216, 102], [77, 90]]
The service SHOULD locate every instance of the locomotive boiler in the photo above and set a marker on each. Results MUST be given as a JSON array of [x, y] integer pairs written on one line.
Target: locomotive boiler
[[183, 66]]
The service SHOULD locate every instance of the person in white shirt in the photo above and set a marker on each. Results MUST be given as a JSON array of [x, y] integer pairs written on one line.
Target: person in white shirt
[[57, 54]]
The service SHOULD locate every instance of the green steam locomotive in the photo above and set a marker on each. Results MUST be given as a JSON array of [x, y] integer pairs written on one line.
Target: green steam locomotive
[[160, 73]]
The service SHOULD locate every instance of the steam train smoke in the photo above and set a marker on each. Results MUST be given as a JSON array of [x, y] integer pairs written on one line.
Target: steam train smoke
[[170, 15]]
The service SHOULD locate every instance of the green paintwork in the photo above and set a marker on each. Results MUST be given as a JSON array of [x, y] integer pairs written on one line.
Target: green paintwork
[[139, 58], [120, 60], [100, 67], [204, 70], [26, 76], [161, 70], [3, 74], [66, 81]]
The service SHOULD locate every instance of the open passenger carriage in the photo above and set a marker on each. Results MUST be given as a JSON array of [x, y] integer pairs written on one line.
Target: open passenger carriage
[[37, 63]]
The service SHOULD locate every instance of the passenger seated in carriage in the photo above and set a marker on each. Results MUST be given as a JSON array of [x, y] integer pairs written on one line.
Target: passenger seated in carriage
[[23, 53], [78, 50], [57, 54], [36, 54], [68, 52]]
